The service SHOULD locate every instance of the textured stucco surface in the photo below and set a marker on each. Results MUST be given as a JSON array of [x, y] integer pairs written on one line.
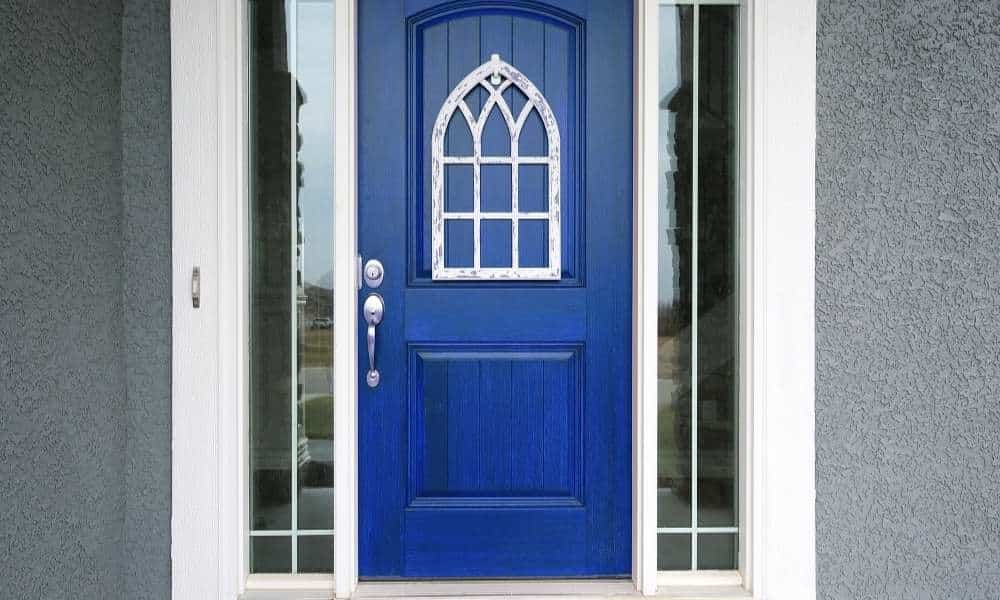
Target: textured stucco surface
[[84, 313], [908, 300], [62, 434], [145, 132]]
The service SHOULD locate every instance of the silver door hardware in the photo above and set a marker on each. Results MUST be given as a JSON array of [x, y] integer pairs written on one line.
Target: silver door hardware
[[373, 309], [373, 273], [195, 287]]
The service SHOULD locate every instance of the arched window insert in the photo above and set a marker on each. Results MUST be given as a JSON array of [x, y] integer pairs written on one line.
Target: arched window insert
[[495, 76]]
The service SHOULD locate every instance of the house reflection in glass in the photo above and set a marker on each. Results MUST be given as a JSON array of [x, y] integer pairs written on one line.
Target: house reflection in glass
[[697, 349]]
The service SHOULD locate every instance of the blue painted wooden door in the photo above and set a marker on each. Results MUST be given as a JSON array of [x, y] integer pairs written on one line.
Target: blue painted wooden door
[[498, 441]]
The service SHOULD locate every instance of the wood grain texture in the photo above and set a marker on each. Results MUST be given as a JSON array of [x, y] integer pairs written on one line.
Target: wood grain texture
[[472, 437]]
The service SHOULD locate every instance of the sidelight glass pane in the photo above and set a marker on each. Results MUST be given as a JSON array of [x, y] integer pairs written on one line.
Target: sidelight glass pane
[[270, 554], [698, 265], [673, 551], [673, 371], [718, 110], [291, 282], [315, 553], [716, 551]]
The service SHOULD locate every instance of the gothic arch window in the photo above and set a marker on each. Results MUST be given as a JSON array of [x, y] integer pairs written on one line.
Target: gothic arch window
[[495, 77]]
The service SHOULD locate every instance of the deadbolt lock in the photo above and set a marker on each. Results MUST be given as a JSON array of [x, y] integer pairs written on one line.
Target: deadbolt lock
[[373, 273]]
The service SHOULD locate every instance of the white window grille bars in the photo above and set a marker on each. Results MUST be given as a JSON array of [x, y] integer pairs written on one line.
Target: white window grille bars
[[495, 76], [695, 530]]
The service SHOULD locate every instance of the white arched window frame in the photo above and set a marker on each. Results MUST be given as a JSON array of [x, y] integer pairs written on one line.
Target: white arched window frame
[[495, 76]]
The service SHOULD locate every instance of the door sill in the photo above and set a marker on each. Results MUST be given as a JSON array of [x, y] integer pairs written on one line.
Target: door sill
[[497, 588], [320, 588], [594, 589]]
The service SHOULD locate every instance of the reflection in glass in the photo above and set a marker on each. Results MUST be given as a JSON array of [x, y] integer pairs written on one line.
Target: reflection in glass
[[291, 284], [697, 349], [717, 267], [270, 554], [673, 551], [315, 553], [716, 551], [674, 310]]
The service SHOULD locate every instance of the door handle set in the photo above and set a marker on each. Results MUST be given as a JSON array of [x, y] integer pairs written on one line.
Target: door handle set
[[373, 310]]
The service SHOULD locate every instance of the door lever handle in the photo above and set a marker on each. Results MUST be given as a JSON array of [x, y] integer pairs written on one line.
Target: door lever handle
[[374, 310]]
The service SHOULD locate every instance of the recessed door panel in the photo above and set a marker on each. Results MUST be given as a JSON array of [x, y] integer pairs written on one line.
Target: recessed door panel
[[495, 425]]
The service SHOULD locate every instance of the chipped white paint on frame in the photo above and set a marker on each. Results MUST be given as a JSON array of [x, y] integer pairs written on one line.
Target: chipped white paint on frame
[[495, 76]]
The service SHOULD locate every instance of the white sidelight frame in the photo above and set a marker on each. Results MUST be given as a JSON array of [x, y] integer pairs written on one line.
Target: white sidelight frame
[[777, 274], [209, 466], [650, 78], [209, 528]]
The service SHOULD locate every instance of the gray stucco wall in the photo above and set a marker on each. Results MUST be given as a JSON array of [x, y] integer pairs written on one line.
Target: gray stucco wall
[[84, 309], [908, 300], [145, 132], [62, 432]]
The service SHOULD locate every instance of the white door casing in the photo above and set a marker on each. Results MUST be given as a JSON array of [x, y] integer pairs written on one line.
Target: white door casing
[[209, 458]]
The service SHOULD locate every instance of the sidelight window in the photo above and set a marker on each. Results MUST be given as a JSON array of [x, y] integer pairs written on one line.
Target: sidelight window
[[291, 230], [698, 98]]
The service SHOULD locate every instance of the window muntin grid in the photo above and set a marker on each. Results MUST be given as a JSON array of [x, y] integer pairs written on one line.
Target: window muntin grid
[[698, 93], [495, 77], [290, 298]]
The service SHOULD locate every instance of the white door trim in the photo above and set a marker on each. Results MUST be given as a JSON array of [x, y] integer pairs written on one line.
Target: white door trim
[[209, 509], [780, 241], [345, 299], [206, 139]]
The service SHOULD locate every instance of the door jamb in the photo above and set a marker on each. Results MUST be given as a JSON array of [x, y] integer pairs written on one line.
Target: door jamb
[[346, 262]]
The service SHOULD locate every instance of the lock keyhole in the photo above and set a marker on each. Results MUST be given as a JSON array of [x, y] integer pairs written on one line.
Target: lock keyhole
[[374, 273]]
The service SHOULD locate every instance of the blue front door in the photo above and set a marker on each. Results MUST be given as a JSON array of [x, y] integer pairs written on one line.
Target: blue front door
[[495, 186]]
